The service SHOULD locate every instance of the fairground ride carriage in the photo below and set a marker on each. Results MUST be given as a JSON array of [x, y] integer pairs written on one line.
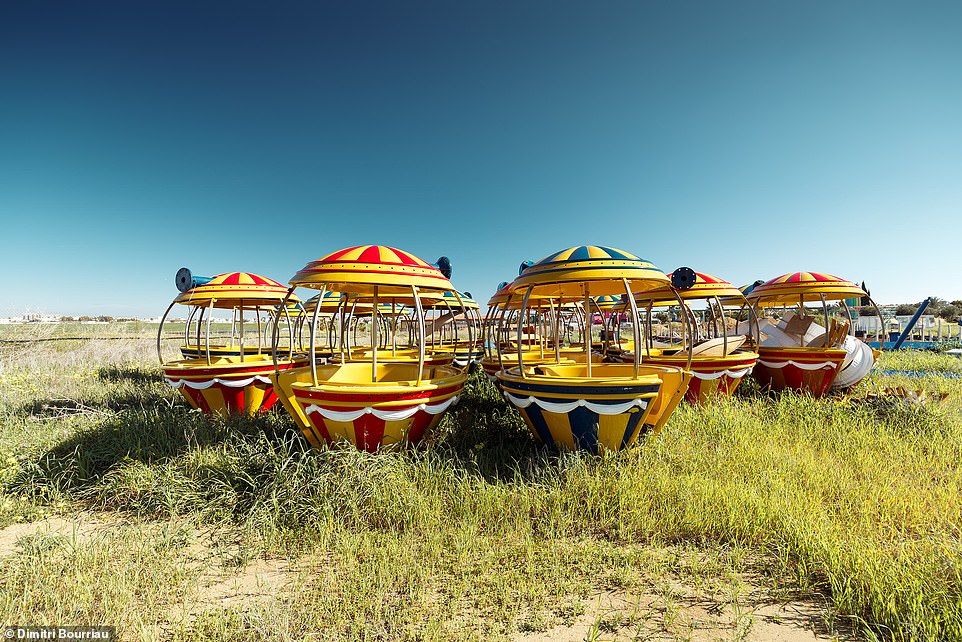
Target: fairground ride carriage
[[232, 376], [587, 405], [707, 334], [381, 394], [795, 351]]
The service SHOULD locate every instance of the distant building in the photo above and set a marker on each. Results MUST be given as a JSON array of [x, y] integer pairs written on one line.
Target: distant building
[[34, 317]]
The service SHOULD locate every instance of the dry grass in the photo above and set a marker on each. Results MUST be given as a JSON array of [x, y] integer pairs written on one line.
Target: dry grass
[[853, 500]]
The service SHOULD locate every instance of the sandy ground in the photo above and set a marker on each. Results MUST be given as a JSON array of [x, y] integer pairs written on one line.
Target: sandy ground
[[671, 611], [618, 616]]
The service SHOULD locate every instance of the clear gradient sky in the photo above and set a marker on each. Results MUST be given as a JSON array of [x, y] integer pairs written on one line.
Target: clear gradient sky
[[744, 139]]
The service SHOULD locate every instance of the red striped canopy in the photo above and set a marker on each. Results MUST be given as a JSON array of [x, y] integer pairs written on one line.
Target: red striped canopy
[[232, 289], [500, 296], [804, 286], [706, 286], [361, 268]]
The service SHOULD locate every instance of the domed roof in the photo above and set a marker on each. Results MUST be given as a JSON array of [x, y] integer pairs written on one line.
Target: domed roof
[[499, 297], [449, 300], [361, 268], [331, 302], [234, 288], [706, 286], [745, 289], [807, 286], [607, 303], [512, 298], [602, 268]]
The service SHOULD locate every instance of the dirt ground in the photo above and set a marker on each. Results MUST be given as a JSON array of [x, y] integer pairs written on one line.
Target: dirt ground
[[672, 610]]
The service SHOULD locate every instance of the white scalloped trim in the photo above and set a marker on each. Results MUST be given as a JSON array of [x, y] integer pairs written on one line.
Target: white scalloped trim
[[203, 385], [735, 374], [802, 366], [564, 408], [385, 415]]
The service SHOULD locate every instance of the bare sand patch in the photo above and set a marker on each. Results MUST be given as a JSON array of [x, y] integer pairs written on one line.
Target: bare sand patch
[[660, 615], [258, 580]]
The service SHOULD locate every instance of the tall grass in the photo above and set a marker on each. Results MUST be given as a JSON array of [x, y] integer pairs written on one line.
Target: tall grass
[[920, 361], [479, 530]]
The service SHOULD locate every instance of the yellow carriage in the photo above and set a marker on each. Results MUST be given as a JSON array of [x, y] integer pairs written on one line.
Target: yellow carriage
[[588, 405], [379, 395], [228, 377]]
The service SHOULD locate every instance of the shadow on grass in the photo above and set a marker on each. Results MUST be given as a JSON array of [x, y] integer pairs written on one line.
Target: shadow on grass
[[148, 455], [59, 407], [134, 374], [481, 437], [140, 424], [117, 389]]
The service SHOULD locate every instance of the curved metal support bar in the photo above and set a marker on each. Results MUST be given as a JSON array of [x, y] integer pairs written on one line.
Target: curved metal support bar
[[419, 311], [556, 329], [242, 351], [276, 332], [190, 317], [587, 329], [635, 328], [721, 313], [200, 320], [686, 330], [210, 315], [650, 343], [467, 362], [290, 328], [821, 296], [260, 342], [160, 330], [352, 318], [521, 322], [500, 331], [374, 338], [880, 332], [313, 350]]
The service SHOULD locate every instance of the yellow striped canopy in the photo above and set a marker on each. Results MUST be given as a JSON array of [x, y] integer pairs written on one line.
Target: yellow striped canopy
[[331, 301], [507, 295], [360, 269], [449, 300], [565, 273], [804, 286], [233, 289], [607, 303]]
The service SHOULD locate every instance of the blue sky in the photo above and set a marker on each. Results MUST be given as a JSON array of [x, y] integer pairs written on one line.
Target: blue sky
[[744, 139]]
